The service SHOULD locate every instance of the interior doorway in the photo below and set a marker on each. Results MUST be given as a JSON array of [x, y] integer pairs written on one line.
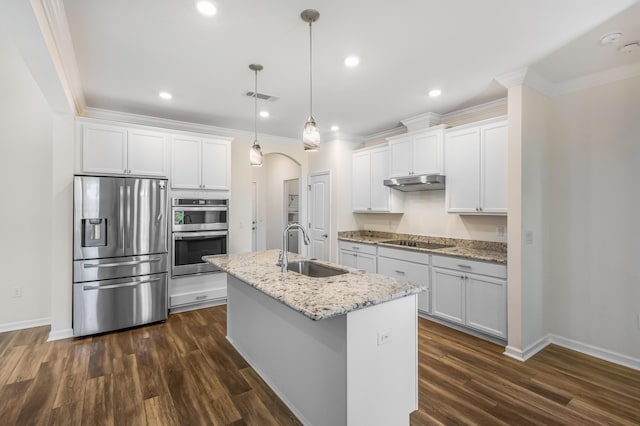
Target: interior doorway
[[291, 211], [319, 214]]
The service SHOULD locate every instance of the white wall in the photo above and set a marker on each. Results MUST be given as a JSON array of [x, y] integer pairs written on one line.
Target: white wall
[[26, 126], [335, 156], [277, 168], [593, 291]]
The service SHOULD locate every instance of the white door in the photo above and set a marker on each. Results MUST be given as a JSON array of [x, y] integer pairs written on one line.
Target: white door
[[462, 158], [319, 215], [447, 292], [427, 153], [361, 181], [186, 162], [400, 157], [104, 149], [147, 153], [487, 304], [254, 216], [215, 164], [380, 194], [493, 167]]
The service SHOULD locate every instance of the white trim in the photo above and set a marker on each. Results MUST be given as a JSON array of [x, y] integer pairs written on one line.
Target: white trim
[[597, 79], [461, 113], [21, 325], [512, 78], [530, 351], [60, 334], [385, 133], [164, 124], [59, 31], [484, 122], [428, 118], [601, 353], [271, 385], [196, 306]]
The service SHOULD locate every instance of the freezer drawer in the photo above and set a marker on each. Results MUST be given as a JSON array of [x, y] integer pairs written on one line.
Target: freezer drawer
[[100, 306], [119, 267]]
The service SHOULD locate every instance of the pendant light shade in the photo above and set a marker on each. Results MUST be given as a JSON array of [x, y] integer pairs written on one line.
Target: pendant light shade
[[311, 133], [255, 153]]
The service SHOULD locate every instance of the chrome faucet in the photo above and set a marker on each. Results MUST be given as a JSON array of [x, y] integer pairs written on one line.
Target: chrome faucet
[[283, 258]]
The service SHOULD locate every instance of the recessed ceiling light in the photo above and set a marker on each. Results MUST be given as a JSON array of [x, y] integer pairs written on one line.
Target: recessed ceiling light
[[264, 114], [335, 128], [351, 61], [631, 47], [611, 37], [206, 8], [435, 93], [165, 95]]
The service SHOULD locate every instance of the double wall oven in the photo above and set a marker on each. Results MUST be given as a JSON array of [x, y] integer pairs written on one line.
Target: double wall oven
[[200, 227]]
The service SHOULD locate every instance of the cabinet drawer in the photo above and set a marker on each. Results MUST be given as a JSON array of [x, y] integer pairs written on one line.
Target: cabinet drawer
[[357, 247], [415, 273], [409, 255], [197, 297], [483, 268]]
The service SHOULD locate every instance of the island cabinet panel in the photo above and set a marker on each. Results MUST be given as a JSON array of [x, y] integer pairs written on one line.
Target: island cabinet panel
[[355, 369]]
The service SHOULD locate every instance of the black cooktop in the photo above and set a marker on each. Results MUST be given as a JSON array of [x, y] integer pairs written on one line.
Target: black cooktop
[[418, 244]]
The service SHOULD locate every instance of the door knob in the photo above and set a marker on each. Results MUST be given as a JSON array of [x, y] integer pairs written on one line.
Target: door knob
[[325, 235]]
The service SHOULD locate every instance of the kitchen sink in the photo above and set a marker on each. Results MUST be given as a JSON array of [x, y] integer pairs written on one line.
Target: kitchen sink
[[313, 269]]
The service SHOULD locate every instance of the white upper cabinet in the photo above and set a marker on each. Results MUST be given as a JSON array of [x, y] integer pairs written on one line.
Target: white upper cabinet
[[200, 163], [146, 153], [476, 168], [416, 153], [118, 150], [370, 167]]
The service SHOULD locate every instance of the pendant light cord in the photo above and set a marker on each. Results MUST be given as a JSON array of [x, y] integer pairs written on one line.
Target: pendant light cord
[[310, 73], [255, 110]]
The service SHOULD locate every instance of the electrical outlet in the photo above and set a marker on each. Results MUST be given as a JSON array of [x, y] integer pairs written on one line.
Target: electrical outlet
[[17, 292], [500, 231], [384, 337]]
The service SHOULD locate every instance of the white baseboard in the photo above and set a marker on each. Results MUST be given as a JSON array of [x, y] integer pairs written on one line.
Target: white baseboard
[[574, 345], [21, 325], [193, 307], [60, 334], [604, 354]]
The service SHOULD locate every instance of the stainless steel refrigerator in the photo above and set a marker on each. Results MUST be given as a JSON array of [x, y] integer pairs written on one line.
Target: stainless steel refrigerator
[[120, 247]]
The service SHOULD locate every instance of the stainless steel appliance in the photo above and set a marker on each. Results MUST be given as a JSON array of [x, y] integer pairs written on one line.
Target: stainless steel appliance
[[200, 228], [120, 253], [416, 183]]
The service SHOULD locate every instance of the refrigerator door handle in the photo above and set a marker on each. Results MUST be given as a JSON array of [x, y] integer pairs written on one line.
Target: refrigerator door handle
[[107, 287], [121, 222], [116, 264], [128, 219]]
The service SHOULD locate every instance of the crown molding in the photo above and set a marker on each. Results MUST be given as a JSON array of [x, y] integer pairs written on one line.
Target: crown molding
[[385, 133], [428, 118], [597, 79], [526, 77], [476, 109], [512, 78], [61, 49], [181, 126]]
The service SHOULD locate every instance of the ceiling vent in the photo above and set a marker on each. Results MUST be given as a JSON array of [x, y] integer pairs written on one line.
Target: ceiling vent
[[261, 96]]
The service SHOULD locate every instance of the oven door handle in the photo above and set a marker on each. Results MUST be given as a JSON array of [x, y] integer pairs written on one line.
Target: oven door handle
[[198, 235], [201, 209]]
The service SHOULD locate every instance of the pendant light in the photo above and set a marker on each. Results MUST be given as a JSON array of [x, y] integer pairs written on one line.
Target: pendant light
[[311, 133], [255, 154]]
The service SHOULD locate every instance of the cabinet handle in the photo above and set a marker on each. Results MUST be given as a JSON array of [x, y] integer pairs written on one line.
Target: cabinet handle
[[355, 248], [400, 272], [463, 266]]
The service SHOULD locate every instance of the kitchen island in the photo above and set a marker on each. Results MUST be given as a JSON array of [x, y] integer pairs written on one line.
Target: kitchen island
[[339, 350]]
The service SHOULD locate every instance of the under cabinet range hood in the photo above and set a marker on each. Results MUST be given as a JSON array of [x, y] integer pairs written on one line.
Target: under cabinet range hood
[[416, 183]]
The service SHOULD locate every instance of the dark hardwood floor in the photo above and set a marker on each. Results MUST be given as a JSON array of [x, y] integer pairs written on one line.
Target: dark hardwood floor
[[184, 372]]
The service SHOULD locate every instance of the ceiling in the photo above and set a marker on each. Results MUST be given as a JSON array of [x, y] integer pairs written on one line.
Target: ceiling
[[126, 52]]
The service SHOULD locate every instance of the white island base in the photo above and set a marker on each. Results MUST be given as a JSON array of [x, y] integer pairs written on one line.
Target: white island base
[[355, 369]]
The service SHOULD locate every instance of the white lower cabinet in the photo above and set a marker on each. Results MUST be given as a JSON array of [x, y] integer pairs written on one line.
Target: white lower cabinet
[[358, 255], [470, 293], [408, 266]]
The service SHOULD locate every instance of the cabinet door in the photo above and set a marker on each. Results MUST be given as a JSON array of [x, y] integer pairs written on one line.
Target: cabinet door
[[493, 168], [366, 262], [380, 195], [415, 273], [146, 153], [215, 164], [104, 149], [447, 292], [487, 304], [186, 160], [361, 181], [348, 258], [427, 153], [462, 158], [400, 154]]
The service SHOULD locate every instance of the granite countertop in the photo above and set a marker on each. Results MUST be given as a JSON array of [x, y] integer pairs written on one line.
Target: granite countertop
[[316, 298], [486, 251]]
